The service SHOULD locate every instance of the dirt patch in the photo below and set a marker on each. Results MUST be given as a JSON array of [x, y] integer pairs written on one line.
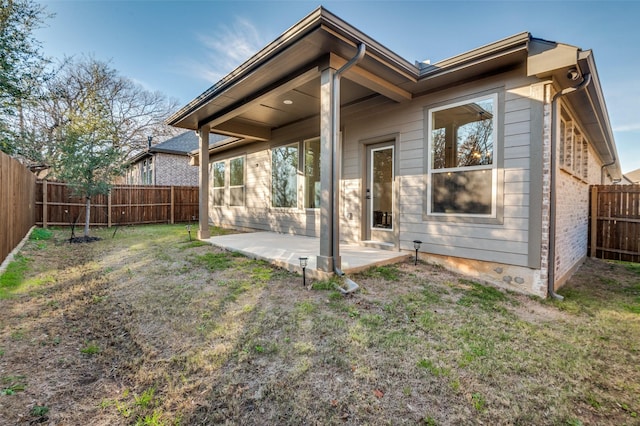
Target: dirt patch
[[148, 327], [80, 240]]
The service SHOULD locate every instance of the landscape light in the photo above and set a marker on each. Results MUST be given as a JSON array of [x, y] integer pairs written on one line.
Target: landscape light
[[416, 245], [303, 265]]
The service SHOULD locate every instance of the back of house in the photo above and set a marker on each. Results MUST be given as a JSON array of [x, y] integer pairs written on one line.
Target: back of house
[[486, 157]]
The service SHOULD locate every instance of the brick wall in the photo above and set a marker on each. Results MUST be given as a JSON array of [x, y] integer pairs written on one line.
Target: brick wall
[[572, 215], [546, 194], [173, 169]]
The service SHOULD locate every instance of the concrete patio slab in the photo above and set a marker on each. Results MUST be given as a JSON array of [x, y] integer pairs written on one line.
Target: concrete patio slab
[[284, 250]]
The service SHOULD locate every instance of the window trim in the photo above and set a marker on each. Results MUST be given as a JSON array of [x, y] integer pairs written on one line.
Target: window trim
[[497, 167]]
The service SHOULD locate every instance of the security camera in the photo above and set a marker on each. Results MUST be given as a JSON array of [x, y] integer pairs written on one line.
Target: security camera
[[573, 74]]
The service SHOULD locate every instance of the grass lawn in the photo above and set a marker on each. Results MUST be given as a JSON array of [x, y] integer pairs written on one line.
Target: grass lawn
[[149, 328]]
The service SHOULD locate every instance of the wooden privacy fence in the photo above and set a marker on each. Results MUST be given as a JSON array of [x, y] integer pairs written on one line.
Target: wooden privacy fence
[[614, 231], [124, 205], [17, 203]]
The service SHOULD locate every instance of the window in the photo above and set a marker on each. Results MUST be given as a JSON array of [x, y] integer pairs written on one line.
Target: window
[[217, 178], [284, 176], [146, 171], [236, 181], [150, 171], [462, 167], [312, 173], [574, 149]]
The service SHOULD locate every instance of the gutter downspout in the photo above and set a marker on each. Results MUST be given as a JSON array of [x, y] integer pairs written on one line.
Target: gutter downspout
[[551, 264], [604, 166], [337, 164]]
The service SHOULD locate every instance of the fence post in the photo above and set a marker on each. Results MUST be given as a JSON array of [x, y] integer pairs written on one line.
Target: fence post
[[109, 209], [594, 221], [173, 193], [44, 204]]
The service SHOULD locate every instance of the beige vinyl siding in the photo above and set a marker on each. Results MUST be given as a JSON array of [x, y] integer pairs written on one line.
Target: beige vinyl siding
[[258, 212]]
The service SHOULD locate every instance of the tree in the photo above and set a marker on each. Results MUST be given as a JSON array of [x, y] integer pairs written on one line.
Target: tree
[[90, 86], [88, 164], [22, 65], [89, 122]]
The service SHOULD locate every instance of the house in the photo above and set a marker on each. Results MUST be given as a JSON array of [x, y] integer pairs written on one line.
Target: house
[[166, 163], [486, 157], [633, 177]]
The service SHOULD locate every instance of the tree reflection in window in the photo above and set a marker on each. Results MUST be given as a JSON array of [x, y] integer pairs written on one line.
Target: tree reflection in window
[[462, 141], [217, 177], [236, 181], [284, 173]]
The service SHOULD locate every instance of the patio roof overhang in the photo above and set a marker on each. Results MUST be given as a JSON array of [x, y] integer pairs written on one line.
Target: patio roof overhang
[[248, 103]]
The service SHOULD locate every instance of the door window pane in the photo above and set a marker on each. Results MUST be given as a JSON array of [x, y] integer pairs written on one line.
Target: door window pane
[[382, 188]]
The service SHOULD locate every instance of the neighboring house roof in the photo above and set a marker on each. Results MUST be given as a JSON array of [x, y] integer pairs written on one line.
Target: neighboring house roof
[[248, 102], [633, 176], [183, 144]]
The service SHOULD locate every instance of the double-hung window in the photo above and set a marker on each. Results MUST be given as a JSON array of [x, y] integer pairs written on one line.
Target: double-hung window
[[218, 178], [462, 144]]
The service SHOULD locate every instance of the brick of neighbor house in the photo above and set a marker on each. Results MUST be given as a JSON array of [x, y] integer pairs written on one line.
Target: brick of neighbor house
[[172, 169], [166, 163], [457, 154]]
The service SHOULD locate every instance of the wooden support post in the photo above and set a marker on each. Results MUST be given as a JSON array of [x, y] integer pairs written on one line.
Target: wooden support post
[[109, 209], [594, 221], [44, 203], [173, 203]]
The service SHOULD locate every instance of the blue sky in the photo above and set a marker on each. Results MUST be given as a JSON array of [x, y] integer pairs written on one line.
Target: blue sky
[[183, 47]]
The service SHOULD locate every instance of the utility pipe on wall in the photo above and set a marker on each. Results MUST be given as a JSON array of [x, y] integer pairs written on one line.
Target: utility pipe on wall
[[551, 264]]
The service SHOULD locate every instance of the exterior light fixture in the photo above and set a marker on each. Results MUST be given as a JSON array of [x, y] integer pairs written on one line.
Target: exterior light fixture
[[416, 245], [287, 102], [303, 265]]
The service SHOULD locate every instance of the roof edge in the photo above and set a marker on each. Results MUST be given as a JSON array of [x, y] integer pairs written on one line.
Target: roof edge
[[507, 44]]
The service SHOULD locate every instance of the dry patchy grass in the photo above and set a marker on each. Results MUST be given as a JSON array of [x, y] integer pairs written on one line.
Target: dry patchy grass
[[148, 328]]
